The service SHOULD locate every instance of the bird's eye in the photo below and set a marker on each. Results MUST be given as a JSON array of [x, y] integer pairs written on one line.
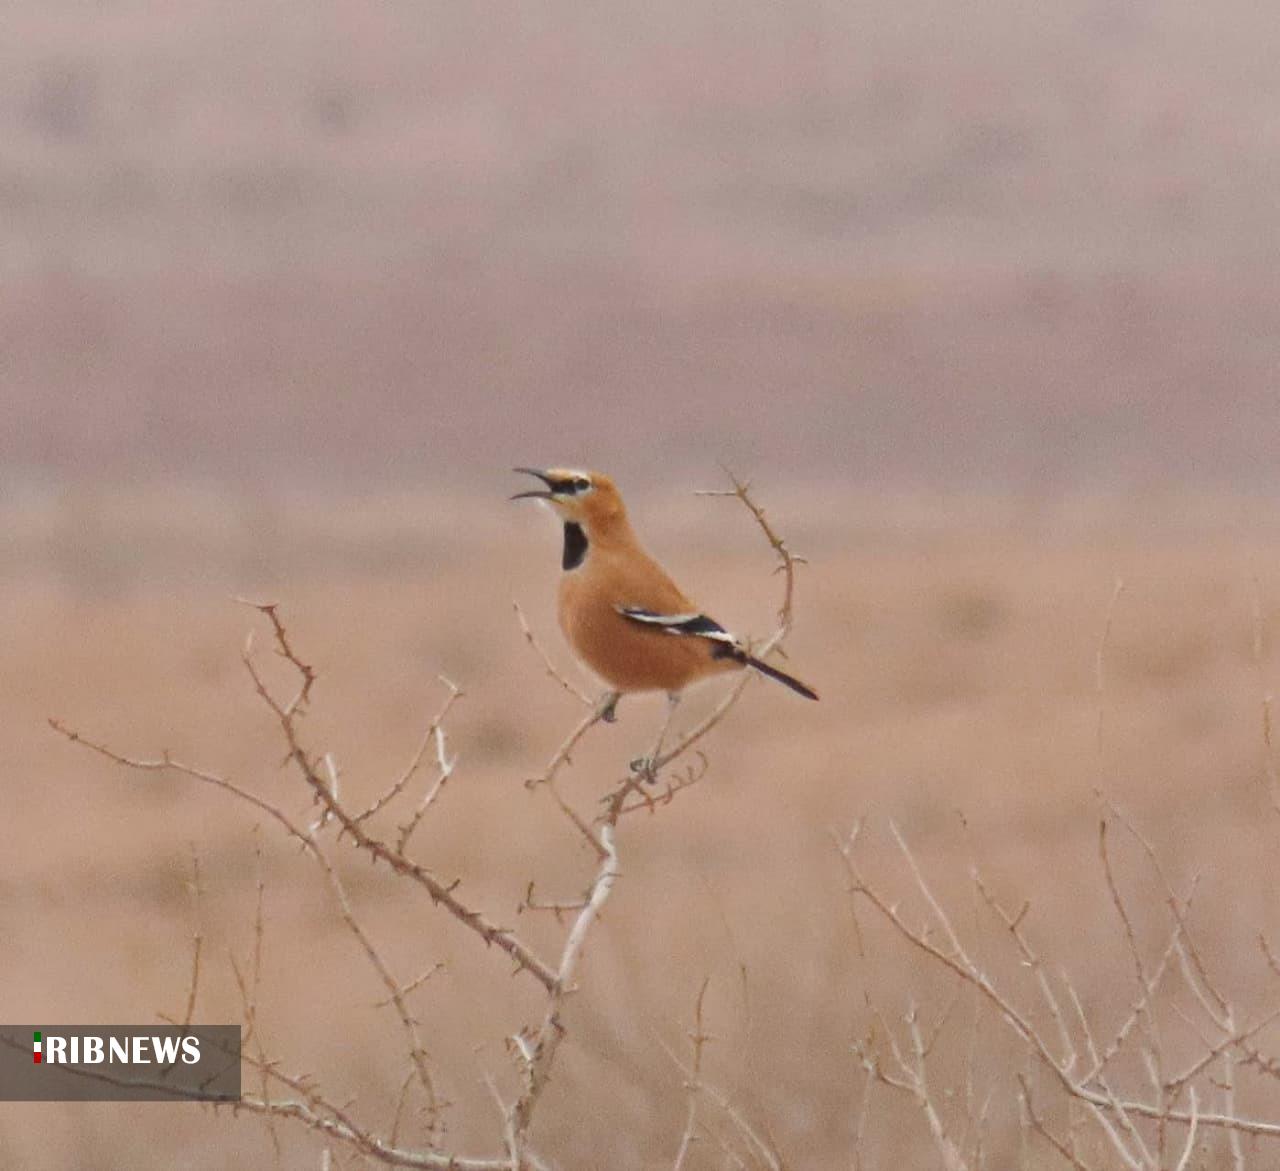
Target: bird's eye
[[581, 483]]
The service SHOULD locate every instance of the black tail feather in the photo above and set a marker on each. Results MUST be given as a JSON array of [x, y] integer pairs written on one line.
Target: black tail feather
[[781, 676]]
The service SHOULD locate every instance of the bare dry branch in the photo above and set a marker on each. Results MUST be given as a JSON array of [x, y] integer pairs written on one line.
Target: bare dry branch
[[285, 650], [380, 851], [547, 664], [547, 1041], [1117, 1116], [531, 902], [760, 1147], [396, 993], [1065, 1149], [297, 1097], [432, 735], [446, 767], [698, 1039], [197, 941]]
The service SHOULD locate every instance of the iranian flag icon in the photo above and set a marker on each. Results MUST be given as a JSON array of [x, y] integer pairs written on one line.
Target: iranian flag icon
[[37, 1049]]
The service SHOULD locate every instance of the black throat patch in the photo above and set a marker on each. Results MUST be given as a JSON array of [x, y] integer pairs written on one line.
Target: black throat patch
[[575, 546]]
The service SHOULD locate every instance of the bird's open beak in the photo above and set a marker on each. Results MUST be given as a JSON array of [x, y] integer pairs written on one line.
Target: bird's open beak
[[537, 493]]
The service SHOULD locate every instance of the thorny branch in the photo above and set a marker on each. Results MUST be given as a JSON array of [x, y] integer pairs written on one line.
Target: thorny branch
[[697, 1041], [298, 1098], [551, 669], [911, 1077], [316, 1111], [433, 735], [1137, 1125], [537, 1051]]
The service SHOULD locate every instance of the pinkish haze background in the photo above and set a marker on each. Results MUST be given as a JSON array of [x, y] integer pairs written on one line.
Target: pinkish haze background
[[285, 290], [901, 244]]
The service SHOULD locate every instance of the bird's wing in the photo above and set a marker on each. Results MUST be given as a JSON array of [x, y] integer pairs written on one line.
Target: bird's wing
[[689, 625]]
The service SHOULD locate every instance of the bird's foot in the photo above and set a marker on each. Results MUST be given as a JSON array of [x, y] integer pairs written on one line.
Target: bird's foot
[[608, 708], [646, 769]]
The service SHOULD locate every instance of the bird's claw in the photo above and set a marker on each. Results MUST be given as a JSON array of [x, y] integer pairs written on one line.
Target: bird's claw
[[609, 708], [646, 768]]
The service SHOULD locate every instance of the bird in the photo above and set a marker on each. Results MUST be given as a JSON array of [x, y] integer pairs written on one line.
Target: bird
[[622, 614]]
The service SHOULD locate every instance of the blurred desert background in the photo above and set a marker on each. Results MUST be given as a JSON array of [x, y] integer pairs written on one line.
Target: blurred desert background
[[985, 304]]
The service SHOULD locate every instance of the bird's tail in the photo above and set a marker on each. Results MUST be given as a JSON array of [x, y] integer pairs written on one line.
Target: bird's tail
[[781, 676]]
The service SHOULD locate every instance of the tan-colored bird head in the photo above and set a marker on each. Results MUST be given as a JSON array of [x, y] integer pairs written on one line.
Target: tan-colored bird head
[[589, 499]]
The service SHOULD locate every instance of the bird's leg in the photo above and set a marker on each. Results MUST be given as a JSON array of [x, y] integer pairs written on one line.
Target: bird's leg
[[647, 766], [608, 706]]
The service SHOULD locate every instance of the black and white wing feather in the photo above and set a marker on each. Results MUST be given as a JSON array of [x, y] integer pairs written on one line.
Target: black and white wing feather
[[727, 647], [689, 625]]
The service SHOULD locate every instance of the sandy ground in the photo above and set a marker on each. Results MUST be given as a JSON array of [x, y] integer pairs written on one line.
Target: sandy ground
[[957, 664]]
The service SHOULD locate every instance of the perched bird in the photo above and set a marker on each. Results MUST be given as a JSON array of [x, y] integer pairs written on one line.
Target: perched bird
[[622, 615]]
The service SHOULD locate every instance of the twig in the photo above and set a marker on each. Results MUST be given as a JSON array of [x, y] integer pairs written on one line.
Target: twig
[[430, 735], [547, 1041], [1147, 1018], [759, 1145], [1037, 1124], [1094, 1091], [441, 893], [417, 982], [285, 650], [446, 767], [531, 902], [197, 940], [550, 667], [697, 1041], [536, 1049], [396, 993], [912, 1080], [787, 562]]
